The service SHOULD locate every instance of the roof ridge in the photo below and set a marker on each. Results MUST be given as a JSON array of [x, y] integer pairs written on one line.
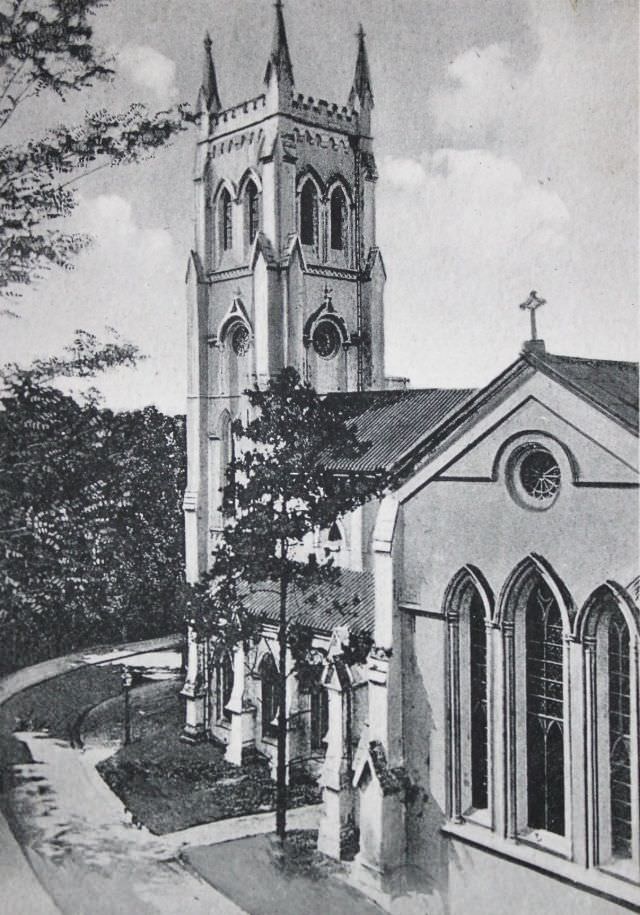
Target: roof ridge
[[590, 359]]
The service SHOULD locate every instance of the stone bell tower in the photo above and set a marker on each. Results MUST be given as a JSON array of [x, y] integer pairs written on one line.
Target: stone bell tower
[[285, 268]]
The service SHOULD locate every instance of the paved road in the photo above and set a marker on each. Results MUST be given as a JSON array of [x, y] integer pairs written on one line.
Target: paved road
[[79, 842]]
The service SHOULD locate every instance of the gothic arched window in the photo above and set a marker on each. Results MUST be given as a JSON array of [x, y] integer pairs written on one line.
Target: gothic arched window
[[319, 707], [467, 608], [478, 702], [619, 709], [269, 695], [309, 213], [545, 710], [338, 214], [226, 220], [252, 203], [224, 686]]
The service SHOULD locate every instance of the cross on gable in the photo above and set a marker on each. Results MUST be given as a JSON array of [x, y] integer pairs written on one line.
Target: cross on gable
[[531, 305]]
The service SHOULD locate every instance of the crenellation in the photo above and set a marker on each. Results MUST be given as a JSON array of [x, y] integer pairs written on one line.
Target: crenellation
[[324, 108], [235, 112]]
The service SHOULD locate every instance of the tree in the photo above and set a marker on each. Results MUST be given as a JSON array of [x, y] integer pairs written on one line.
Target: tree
[[46, 48], [91, 540], [280, 488]]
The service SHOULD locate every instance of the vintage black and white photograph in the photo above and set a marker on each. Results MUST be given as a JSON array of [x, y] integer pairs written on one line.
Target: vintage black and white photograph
[[319, 507]]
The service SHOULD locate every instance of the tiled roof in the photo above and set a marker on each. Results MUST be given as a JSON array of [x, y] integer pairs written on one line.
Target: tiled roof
[[613, 386], [348, 601], [390, 423]]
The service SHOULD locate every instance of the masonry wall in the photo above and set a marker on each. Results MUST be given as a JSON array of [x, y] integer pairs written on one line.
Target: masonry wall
[[588, 536]]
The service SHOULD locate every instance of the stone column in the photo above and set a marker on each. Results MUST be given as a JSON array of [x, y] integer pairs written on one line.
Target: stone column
[[336, 820], [379, 775], [511, 787], [243, 713], [455, 802], [194, 690]]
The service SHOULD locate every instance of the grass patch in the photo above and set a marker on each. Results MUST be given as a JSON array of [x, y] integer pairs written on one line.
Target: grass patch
[[170, 785], [298, 855]]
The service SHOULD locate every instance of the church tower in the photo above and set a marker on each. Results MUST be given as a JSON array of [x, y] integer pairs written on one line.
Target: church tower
[[285, 269]]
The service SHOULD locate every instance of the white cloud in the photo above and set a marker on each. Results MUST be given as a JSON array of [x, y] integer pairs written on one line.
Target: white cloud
[[130, 279], [150, 70], [477, 95], [467, 235]]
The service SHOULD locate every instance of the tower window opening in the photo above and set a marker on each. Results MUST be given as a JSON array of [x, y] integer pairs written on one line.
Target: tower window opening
[[253, 211], [226, 228], [338, 220], [308, 214]]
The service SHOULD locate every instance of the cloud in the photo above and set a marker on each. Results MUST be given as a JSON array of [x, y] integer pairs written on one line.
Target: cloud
[[467, 235], [477, 95], [150, 70], [130, 279]]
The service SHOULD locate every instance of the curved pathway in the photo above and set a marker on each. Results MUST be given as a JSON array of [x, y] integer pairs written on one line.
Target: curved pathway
[[103, 863]]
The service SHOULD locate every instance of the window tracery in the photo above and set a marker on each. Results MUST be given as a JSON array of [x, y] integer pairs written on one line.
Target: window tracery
[[545, 711]]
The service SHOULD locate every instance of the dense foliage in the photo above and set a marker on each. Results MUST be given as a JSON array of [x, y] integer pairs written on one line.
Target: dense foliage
[[91, 540], [46, 49], [280, 489]]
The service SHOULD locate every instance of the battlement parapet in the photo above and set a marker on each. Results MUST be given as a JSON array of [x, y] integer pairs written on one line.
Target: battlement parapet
[[238, 114]]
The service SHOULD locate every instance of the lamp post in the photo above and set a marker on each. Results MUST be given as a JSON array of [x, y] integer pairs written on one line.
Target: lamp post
[[126, 686]]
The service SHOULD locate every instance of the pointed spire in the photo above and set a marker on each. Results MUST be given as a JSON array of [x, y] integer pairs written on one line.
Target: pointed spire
[[361, 90], [280, 59], [209, 82]]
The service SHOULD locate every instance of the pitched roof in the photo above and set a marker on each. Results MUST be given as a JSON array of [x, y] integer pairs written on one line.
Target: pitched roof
[[347, 601], [389, 423], [398, 425], [611, 385]]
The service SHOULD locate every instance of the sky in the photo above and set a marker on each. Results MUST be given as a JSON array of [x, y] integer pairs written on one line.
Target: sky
[[506, 142]]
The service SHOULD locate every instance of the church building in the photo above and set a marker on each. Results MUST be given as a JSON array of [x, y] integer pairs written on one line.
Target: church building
[[487, 751]]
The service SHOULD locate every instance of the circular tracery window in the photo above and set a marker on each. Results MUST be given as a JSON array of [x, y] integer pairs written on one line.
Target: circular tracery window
[[326, 339], [535, 476], [240, 339]]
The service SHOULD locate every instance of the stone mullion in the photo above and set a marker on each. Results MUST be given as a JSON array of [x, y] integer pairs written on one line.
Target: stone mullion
[[510, 777]]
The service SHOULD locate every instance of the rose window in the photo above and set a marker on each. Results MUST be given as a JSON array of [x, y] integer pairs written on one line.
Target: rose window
[[326, 339], [535, 476], [240, 339]]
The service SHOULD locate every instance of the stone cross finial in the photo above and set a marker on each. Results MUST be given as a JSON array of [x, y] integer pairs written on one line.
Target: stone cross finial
[[327, 296], [531, 305]]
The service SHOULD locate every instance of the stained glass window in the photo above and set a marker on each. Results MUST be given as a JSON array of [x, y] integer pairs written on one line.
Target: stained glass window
[[619, 736], [545, 713], [478, 646]]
